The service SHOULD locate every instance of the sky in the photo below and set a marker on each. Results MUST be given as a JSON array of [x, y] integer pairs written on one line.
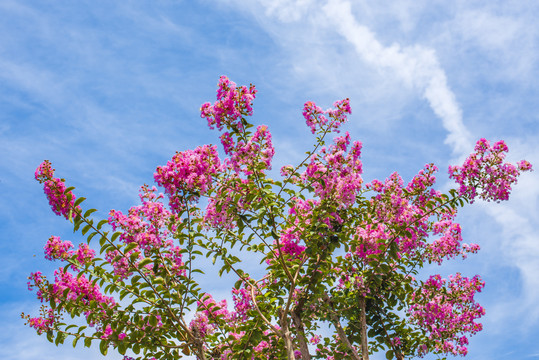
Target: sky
[[108, 91]]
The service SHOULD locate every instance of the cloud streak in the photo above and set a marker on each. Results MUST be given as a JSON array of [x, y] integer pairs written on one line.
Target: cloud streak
[[417, 66]]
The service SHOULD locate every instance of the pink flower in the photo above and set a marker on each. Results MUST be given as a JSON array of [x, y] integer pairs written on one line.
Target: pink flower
[[335, 174], [316, 118], [58, 249], [253, 156], [447, 311], [484, 173], [84, 254], [61, 202], [42, 323], [189, 172], [232, 103]]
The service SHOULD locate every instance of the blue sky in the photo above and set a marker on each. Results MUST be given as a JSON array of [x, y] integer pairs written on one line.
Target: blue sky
[[109, 90]]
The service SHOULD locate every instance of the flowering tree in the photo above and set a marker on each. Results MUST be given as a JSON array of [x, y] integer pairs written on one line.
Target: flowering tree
[[339, 255]]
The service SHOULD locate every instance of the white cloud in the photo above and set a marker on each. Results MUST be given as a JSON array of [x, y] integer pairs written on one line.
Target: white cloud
[[417, 66]]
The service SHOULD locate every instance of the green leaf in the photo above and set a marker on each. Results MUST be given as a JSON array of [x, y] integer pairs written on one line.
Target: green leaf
[[389, 355], [134, 256], [86, 228], [91, 236], [87, 342], [122, 348], [103, 347], [101, 223], [144, 262], [77, 224], [79, 201], [89, 212], [60, 337], [102, 241], [114, 236], [130, 247], [70, 326]]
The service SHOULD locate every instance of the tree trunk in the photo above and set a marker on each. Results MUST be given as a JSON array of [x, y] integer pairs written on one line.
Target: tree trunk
[[287, 338], [363, 319], [303, 347]]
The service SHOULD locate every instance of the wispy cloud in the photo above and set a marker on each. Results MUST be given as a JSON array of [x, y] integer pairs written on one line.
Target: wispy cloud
[[416, 66]]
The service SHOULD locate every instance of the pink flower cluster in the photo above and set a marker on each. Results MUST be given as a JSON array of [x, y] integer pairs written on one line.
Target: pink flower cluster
[[43, 323], [56, 249], [250, 157], [214, 315], [398, 207], [148, 234], [394, 209], [108, 333], [210, 312], [189, 172], [242, 303], [371, 240], [145, 225], [334, 174], [447, 311], [449, 244], [485, 170], [229, 197], [67, 288], [78, 288], [232, 103], [420, 186], [316, 118], [55, 190], [300, 216], [84, 254]]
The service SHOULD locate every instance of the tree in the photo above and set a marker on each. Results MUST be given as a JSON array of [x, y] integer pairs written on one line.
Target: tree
[[339, 256]]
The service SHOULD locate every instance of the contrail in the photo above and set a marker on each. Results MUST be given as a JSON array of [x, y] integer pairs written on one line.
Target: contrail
[[416, 66]]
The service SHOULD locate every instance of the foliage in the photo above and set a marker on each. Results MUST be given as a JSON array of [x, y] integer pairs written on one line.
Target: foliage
[[339, 255]]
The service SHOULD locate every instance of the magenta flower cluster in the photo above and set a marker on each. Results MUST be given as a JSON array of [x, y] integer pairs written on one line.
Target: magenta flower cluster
[[55, 190], [447, 310], [290, 240], [212, 315], [67, 288], [146, 226], [189, 171], [230, 195], [56, 249], [43, 323], [401, 207], [317, 119], [254, 155], [232, 103], [335, 174], [486, 171], [78, 289]]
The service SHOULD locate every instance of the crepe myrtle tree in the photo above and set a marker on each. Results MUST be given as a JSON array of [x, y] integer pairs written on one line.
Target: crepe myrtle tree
[[339, 255]]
